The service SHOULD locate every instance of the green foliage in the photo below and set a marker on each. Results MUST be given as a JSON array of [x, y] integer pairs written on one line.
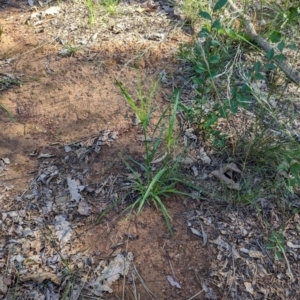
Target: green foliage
[[110, 6], [283, 15], [220, 95], [190, 9], [91, 9], [70, 50], [277, 244], [220, 4], [290, 165]]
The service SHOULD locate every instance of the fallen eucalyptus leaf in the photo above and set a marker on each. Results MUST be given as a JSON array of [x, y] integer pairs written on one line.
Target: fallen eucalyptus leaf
[[40, 277], [195, 231], [173, 282]]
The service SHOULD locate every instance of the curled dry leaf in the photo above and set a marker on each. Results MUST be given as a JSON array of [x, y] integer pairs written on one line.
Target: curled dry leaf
[[187, 160], [45, 155], [291, 245], [6, 160], [118, 266], [83, 208], [195, 170], [40, 277], [235, 253], [204, 157], [73, 189], [63, 229], [218, 241], [231, 184], [204, 235], [249, 287], [51, 11], [232, 167], [173, 282], [255, 254], [148, 6], [195, 231]]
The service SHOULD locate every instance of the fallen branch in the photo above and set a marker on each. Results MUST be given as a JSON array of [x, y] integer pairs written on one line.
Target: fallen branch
[[292, 74]]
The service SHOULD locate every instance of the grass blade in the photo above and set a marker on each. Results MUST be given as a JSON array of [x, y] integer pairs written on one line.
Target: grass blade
[[149, 189], [128, 98]]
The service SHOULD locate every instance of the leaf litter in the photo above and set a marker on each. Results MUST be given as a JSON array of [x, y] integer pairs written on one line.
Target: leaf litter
[[58, 191], [42, 245]]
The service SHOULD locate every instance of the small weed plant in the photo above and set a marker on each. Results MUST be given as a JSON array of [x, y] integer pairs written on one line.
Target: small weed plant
[[110, 6], [92, 11], [277, 244], [69, 50], [156, 184]]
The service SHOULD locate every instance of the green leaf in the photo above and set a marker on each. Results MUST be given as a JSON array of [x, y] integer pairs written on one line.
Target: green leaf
[[223, 111], [205, 15], [270, 54], [292, 47], [259, 76], [282, 167], [270, 66], [128, 98], [293, 13], [277, 255], [213, 59], [270, 246], [215, 43], [219, 5], [200, 69], [275, 36], [154, 181], [211, 120], [216, 24], [280, 57], [204, 32], [280, 46], [257, 66], [295, 169]]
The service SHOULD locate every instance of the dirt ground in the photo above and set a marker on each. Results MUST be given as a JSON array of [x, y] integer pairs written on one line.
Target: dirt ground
[[74, 100], [64, 100]]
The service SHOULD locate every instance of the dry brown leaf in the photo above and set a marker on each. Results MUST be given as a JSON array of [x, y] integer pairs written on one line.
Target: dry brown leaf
[[187, 160], [140, 10], [150, 6], [40, 277], [291, 245], [218, 241], [255, 254], [232, 167], [83, 208], [231, 184], [249, 287], [204, 157]]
